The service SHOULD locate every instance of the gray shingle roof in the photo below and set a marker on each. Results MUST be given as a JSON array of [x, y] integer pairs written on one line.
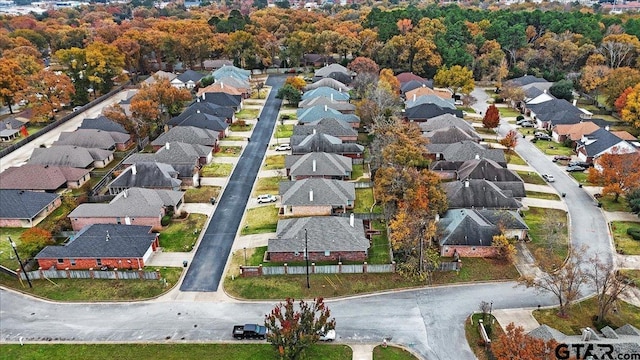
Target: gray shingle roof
[[328, 82], [475, 227], [324, 233], [92, 138], [322, 191], [444, 121], [19, 204], [190, 75], [430, 99], [222, 99], [428, 111], [227, 70], [340, 106], [525, 80], [329, 126], [40, 177], [11, 123], [486, 169], [466, 150], [183, 158], [326, 164], [318, 112], [200, 120], [323, 143], [599, 141], [148, 175], [189, 135], [208, 108], [102, 123], [133, 202], [326, 92], [478, 194], [556, 111], [67, 155], [450, 135], [414, 84], [104, 241], [240, 84], [547, 333], [329, 69]]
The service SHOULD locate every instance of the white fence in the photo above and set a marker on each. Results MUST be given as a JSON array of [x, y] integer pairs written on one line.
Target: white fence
[[91, 274]]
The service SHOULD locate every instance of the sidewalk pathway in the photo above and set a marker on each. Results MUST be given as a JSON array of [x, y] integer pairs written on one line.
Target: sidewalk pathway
[[539, 188], [520, 167], [252, 241], [520, 317], [525, 262], [621, 216], [362, 351], [543, 203]]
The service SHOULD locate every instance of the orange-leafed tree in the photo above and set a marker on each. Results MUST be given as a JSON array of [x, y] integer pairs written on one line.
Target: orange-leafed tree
[[631, 111], [49, 92], [515, 344], [510, 140], [491, 118], [11, 82], [362, 65], [33, 240], [621, 101], [404, 25], [296, 81], [616, 172], [389, 81]]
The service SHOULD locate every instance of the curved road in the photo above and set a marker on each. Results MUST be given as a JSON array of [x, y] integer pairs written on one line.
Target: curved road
[[430, 321]]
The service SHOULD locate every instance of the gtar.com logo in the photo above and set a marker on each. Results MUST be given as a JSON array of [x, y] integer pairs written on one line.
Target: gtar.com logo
[[591, 352]]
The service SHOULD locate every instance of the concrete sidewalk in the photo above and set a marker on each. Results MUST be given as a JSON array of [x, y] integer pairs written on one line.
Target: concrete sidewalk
[[543, 203], [520, 317], [362, 351]]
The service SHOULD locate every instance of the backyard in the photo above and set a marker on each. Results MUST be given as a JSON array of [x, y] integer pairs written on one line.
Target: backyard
[[364, 200], [181, 235]]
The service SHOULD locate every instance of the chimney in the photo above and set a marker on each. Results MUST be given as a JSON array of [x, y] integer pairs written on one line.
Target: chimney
[[326, 108], [575, 101], [466, 183], [351, 219], [8, 125], [166, 146], [203, 97], [314, 165], [221, 85], [133, 169], [544, 91], [477, 157], [310, 195]]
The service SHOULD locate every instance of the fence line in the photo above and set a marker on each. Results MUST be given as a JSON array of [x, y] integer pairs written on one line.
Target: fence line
[[365, 268], [91, 274]]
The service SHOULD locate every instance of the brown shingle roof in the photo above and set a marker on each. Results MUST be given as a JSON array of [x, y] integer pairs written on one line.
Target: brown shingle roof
[[576, 131], [39, 177]]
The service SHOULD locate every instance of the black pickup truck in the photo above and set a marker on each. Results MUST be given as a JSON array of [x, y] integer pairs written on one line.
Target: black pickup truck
[[249, 331]]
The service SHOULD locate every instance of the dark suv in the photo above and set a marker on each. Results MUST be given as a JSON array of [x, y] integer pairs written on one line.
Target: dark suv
[[580, 163]]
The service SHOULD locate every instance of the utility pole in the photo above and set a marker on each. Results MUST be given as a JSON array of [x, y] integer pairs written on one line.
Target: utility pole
[[15, 250], [306, 256], [421, 247]]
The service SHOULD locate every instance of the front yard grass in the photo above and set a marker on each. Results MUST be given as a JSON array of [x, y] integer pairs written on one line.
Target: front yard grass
[[553, 148], [217, 170], [267, 185], [543, 195], [229, 151], [531, 177], [181, 235], [274, 162], [168, 351], [508, 112], [472, 332], [581, 178], [203, 194], [392, 353], [514, 158], [284, 131], [260, 220], [97, 289], [624, 243], [548, 234], [364, 200], [246, 114], [477, 269], [240, 126], [609, 204], [582, 314]]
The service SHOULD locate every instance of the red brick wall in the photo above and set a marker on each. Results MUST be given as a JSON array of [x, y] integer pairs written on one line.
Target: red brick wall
[[320, 256], [83, 264], [469, 251], [79, 223]]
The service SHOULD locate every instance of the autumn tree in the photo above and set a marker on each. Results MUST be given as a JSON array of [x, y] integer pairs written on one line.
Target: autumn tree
[[151, 102], [293, 329], [289, 93], [506, 248], [617, 172], [619, 49], [515, 344], [33, 240], [48, 93], [510, 140], [621, 101], [458, 79], [618, 80], [513, 93], [491, 118], [593, 77], [362, 65], [389, 81], [104, 63], [608, 283], [136, 126], [296, 81], [631, 111], [11, 82]]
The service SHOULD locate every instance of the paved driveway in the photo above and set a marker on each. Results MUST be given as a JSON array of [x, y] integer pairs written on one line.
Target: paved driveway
[[207, 267]]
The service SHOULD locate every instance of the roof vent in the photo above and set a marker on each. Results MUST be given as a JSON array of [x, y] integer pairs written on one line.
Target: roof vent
[[108, 237], [351, 219], [311, 195]]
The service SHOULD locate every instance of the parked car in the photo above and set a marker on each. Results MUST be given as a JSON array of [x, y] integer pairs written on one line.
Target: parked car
[[520, 121], [76, 108], [542, 136], [583, 164], [327, 336], [283, 147], [548, 177], [527, 124], [249, 331], [561, 157], [266, 199], [575, 168]]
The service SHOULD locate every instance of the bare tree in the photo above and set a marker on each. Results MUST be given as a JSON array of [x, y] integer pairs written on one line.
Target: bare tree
[[608, 283]]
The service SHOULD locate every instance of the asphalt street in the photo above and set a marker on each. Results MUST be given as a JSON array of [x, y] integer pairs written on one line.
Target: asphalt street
[[207, 267]]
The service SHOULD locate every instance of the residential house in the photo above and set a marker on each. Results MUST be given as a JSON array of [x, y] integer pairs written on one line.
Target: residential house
[[318, 165], [26, 209], [406, 77], [328, 92], [102, 123], [187, 80], [317, 60], [10, 129], [231, 71], [554, 112], [470, 232], [222, 99], [149, 175], [330, 83], [450, 135], [224, 112], [133, 206], [316, 196], [221, 87], [602, 141], [525, 80], [445, 121], [424, 112], [301, 145], [215, 64], [72, 156], [341, 106], [573, 132], [201, 120], [476, 193], [188, 135], [102, 245], [414, 84], [430, 99], [485, 169], [322, 238], [242, 85], [330, 126], [47, 178], [158, 75], [335, 71], [97, 139], [425, 90], [318, 112], [125, 104], [463, 151]]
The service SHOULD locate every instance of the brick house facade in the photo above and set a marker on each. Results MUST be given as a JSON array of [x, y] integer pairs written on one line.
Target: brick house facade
[[80, 222], [359, 256]]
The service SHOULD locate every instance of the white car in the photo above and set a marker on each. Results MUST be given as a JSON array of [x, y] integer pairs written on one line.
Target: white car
[[283, 147], [548, 177], [266, 199], [328, 336]]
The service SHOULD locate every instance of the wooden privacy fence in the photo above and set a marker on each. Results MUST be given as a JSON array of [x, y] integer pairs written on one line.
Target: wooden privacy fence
[[114, 274], [246, 271]]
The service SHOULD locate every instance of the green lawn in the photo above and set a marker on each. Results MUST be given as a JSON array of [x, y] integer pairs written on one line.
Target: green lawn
[[240, 127], [543, 195], [581, 178], [169, 351], [624, 243], [553, 148], [246, 114], [181, 235], [97, 289], [260, 220], [284, 131], [531, 177], [379, 250], [508, 112], [514, 158], [202, 194], [548, 234], [472, 332], [274, 162], [357, 171], [477, 269], [216, 170], [234, 138], [582, 315], [267, 185], [7, 257], [608, 204], [392, 353], [364, 200], [229, 151]]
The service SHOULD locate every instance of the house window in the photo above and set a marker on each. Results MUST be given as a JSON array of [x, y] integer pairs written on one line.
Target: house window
[[73, 262], [99, 262], [327, 253], [60, 261]]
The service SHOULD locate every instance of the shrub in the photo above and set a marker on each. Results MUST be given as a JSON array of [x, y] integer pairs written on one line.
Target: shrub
[[634, 233], [285, 117], [519, 117], [165, 220]]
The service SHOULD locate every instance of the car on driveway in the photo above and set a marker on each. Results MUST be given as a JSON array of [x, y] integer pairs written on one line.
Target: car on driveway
[[519, 122], [561, 157], [283, 147], [548, 177], [580, 163], [575, 168], [267, 198], [527, 124], [542, 136]]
